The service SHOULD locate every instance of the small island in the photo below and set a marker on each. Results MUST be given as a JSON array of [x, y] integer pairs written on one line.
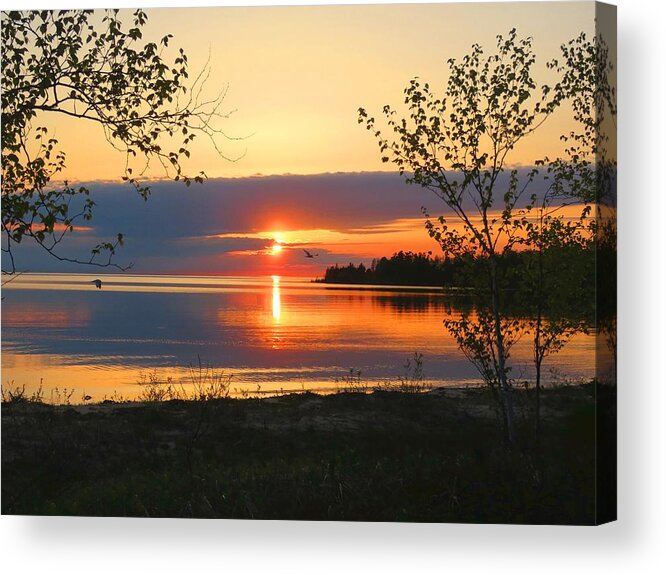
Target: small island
[[403, 268]]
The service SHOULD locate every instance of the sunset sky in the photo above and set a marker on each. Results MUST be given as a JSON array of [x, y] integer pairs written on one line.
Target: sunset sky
[[307, 175]]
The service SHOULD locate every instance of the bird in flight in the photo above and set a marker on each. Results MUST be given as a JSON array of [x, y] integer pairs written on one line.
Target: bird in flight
[[308, 254], [98, 283]]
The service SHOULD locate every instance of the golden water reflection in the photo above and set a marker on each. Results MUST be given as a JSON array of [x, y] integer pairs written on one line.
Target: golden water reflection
[[273, 333], [277, 309]]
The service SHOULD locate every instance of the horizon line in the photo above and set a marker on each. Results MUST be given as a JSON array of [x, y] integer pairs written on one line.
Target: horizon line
[[259, 175]]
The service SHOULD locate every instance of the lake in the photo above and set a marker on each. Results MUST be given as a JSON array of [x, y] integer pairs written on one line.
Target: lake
[[272, 334]]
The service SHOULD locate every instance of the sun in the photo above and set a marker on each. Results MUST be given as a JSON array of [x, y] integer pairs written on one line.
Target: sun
[[276, 248]]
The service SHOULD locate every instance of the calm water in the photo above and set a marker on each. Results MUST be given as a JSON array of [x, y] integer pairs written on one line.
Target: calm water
[[271, 333]]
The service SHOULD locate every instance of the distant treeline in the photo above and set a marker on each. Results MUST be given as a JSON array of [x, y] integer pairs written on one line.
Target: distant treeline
[[402, 268], [424, 269]]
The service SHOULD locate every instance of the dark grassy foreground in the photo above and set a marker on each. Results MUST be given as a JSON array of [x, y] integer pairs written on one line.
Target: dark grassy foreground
[[386, 456]]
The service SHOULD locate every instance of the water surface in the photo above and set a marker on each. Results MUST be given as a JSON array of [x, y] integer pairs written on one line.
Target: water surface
[[271, 333]]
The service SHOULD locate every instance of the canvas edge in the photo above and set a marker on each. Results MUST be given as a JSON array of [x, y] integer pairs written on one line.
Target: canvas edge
[[606, 293]]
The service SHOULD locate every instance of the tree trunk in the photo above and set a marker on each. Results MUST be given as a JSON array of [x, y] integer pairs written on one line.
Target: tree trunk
[[537, 414], [538, 355], [537, 364], [507, 400]]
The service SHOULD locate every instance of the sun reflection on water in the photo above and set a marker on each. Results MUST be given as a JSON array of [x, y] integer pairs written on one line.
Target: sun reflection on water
[[276, 299]]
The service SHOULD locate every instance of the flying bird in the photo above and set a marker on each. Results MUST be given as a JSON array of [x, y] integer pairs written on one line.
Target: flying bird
[[308, 254], [98, 283]]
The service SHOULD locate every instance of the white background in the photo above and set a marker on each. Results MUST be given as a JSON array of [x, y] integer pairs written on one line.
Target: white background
[[636, 543]]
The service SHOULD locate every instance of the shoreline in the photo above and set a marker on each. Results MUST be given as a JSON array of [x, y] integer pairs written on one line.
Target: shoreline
[[473, 398]]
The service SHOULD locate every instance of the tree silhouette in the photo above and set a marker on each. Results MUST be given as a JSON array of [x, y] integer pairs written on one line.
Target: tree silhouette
[[457, 144], [94, 69], [584, 175]]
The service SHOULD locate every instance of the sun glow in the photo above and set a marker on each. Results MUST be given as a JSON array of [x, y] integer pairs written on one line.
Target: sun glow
[[278, 243]]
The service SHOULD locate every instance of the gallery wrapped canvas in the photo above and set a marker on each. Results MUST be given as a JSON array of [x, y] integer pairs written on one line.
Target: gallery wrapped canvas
[[347, 263]]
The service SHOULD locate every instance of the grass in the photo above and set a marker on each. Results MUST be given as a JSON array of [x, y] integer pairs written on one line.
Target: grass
[[381, 456], [15, 394], [411, 381], [205, 384]]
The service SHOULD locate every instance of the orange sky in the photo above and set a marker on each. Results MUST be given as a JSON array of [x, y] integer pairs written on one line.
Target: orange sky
[[297, 75], [296, 78]]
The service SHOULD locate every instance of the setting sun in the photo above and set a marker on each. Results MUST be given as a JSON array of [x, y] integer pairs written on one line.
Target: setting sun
[[276, 249]]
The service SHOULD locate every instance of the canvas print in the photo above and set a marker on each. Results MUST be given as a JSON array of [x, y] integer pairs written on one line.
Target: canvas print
[[348, 263]]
